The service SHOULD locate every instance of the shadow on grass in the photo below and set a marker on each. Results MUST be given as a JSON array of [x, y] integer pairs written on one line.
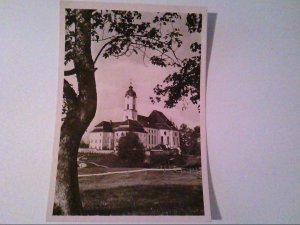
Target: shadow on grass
[[145, 200]]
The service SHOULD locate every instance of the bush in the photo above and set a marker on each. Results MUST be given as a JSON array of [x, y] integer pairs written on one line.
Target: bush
[[83, 144], [131, 149], [158, 160]]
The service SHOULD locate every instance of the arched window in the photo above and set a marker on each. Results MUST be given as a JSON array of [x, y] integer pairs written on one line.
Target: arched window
[[127, 106], [162, 140]]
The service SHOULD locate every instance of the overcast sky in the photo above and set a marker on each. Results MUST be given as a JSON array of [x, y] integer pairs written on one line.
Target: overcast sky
[[113, 78]]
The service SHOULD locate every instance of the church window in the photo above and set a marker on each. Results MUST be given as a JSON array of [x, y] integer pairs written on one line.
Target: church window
[[122, 134], [165, 133], [162, 140], [133, 107], [127, 106]]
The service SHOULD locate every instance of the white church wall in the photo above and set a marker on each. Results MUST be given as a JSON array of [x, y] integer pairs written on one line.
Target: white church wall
[[151, 140], [164, 137], [107, 141], [93, 140], [174, 139]]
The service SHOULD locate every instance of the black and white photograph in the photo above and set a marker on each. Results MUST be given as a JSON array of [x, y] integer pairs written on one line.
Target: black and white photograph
[[130, 132]]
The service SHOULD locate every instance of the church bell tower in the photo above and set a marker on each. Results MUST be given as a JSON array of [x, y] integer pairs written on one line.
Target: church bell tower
[[130, 111]]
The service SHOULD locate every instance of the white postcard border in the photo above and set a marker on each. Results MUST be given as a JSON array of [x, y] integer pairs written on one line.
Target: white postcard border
[[132, 219]]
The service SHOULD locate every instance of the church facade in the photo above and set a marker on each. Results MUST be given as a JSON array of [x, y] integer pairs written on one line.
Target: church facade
[[156, 129]]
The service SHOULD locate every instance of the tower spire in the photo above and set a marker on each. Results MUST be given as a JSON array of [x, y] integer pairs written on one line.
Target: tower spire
[[130, 111]]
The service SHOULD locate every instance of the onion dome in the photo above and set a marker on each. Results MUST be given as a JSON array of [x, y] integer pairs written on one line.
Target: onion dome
[[130, 92]]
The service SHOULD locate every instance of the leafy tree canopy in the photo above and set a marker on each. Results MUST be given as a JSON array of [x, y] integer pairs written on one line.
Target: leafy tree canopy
[[126, 33], [190, 140], [123, 33], [185, 83]]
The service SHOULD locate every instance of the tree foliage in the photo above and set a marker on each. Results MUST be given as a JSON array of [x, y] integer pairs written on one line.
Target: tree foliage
[[126, 33], [131, 149], [185, 83], [190, 140]]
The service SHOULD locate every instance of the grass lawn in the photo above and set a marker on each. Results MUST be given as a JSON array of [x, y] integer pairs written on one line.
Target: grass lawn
[[109, 160], [143, 193], [144, 200], [113, 161]]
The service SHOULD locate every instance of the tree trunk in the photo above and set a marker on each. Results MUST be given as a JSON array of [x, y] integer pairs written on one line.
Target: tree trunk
[[78, 117]]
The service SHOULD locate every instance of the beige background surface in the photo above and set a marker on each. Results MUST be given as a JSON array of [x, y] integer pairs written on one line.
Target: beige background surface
[[252, 109]]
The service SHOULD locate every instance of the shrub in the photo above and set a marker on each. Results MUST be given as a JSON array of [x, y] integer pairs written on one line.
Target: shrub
[[83, 144], [131, 149]]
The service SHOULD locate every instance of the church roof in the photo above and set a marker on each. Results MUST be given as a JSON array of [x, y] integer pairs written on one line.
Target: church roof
[[144, 121], [128, 125], [160, 121], [156, 120], [130, 92], [104, 126]]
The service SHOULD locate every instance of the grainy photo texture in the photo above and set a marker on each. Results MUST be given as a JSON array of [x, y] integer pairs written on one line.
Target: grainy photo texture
[[129, 133]]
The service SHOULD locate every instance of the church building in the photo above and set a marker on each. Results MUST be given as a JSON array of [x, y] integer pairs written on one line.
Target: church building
[[156, 129]]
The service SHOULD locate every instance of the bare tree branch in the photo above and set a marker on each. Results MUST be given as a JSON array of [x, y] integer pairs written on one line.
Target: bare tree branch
[[70, 72]]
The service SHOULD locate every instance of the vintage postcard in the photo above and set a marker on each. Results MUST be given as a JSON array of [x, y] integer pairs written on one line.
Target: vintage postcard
[[130, 141]]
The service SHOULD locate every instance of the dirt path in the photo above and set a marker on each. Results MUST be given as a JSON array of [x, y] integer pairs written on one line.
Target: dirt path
[[95, 164], [128, 171]]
